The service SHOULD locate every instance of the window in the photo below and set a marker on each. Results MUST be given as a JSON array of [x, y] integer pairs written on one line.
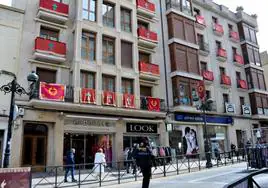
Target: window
[[250, 34], [249, 80], [184, 93], [144, 57], [88, 50], [200, 38], [144, 25], [257, 57], [242, 102], [108, 14], [238, 76], [234, 51], [87, 80], [89, 10], [48, 33], [214, 20], [186, 7], [253, 36], [222, 71], [127, 86], [196, 12], [145, 91], [218, 44], [125, 20], [203, 66], [225, 98], [46, 75], [108, 83], [126, 54], [208, 94], [230, 27], [108, 50]]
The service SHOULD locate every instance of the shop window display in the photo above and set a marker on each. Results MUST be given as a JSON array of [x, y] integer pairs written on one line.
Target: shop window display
[[217, 136]]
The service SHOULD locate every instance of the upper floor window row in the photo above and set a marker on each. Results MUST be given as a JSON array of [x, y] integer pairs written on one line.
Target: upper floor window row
[[249, 34], [184, 6]]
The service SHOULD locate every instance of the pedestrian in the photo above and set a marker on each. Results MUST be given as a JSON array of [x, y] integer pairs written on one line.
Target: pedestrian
[[145, 161], [70, 161], [233, 147], [99, 162]]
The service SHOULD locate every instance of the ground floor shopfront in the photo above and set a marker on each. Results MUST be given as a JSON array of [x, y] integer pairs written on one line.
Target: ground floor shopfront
[[44, 138], [188, 130]]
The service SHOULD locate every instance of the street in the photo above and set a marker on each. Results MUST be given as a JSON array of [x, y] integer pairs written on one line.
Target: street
[[214, 178]]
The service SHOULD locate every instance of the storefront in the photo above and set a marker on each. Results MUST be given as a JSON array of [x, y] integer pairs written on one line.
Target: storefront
[[136, 132], [188, 132]]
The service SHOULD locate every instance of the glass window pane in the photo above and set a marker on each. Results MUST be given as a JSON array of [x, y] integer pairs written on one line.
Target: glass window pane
[[92, 5], [85, 4], [83, 53], [85, 15], [84, 41], [92, 17]]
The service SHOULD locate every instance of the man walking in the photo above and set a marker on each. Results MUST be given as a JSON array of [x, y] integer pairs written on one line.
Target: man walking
[[71, 164], [145, 160]]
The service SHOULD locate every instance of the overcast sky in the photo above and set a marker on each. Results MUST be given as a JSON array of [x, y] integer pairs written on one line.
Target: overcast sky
[[258, 7]]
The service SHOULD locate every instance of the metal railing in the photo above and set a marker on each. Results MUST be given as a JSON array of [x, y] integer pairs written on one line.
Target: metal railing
[[247, 181], [119, 172]]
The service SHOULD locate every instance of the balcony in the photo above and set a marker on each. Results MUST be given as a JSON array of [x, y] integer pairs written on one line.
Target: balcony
[[208, 76], [146, 8], [234, 36], [203, 49], [49, 50], [218, 29], [225, 81], [238, 60], [147, 38], [149, 71], [152, 104], [53, 11], [200, 22], [221, 54], [242, 85]]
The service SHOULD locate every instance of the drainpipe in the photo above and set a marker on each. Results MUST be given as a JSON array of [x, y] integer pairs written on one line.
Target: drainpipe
[[164, 54]]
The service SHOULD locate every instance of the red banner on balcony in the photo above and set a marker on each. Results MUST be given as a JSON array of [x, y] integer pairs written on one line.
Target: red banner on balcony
[[128, 100], [15, 177], [146, 5], [225, 80], [55, 6], [149, 68], [88, 96], [234, 35], [222, 52], [109, 98], [208, 75], [218, 28], [50, 46], [153, 104], [243, 84], [147, 35], [55, 92], [239, 59], [200, 20], [201, 89]]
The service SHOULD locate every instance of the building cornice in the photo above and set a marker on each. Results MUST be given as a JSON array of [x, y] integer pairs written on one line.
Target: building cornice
[[183, 42], [12, 9], [186, 74]]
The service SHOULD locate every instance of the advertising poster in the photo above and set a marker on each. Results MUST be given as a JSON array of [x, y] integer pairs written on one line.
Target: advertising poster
[[190, 143], [15, 177]]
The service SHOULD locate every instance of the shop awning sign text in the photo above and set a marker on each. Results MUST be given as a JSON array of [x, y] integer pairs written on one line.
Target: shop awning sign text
[[141, 128]]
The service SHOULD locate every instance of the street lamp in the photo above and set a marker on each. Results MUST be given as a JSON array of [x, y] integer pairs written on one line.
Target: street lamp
[[205, 105], [14, 88]]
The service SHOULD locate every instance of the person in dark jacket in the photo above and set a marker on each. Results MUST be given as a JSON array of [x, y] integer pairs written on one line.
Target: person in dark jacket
[[70, 162], [145, 160]]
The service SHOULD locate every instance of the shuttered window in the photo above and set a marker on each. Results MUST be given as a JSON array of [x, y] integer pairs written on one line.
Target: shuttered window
[[126, 54], [145, 91], [46, 75]]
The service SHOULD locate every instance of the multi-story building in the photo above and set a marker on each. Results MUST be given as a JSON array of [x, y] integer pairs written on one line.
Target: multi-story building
[[10, 32], [202, 42], [264, 60], [106, 55]]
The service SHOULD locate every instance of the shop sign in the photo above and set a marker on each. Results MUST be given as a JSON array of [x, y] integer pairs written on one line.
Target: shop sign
[[230, 108], [15, 177], [246, 109], [199, 118], [93, 122], [141, 128]]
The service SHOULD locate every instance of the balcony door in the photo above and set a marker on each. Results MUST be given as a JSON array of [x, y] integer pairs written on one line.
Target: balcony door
[[35, 145]]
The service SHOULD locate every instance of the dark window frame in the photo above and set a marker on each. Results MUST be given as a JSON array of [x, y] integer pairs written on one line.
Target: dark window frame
[[88, 48], [123, 21], [89, 10]]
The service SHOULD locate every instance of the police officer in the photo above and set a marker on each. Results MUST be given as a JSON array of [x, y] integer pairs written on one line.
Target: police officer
[[145, 160]]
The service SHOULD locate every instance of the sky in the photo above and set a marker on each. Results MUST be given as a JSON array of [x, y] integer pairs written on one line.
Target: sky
[[258, 7]]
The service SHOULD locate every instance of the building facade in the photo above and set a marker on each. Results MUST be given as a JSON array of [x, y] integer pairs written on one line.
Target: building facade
[[114, 71], [106, 55], [10, 32]]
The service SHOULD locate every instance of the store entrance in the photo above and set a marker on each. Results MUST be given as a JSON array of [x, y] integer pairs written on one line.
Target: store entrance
[[86, 145]]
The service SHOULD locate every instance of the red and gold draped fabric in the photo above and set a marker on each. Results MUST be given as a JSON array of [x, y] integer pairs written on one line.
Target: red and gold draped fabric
[[234, 35], [218, 28], [239, 59], [208, 75], [222, 52], [200, 20], [225, 80], [243, 84], [201, 89], [109, 98], [128, 100], [153, 104], [88, 96], [53, 92]]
